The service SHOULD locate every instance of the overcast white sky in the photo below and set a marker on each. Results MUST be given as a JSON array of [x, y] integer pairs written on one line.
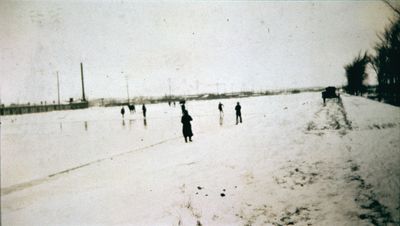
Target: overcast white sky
[[241, 45]]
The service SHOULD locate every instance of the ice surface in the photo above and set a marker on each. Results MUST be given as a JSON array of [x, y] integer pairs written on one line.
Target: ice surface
[[291, 161]]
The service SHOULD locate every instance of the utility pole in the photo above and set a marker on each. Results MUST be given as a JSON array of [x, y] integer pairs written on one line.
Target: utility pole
[[169, 86], [83, 86], [58, 88], [217, 84], [127, 86]]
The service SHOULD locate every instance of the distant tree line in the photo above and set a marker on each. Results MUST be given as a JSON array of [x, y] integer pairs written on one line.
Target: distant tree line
[[386, 63]]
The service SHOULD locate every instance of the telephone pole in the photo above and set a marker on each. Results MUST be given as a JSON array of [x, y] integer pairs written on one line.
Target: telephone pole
[[83, 86], [169, 86], [58, 88], [127, 86], [217, 84]]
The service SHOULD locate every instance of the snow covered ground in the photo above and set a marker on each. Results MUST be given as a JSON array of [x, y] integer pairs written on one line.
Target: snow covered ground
[[292, 161]]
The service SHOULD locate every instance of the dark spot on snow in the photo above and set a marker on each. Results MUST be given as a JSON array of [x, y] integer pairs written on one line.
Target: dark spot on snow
[[223, 189], [354, 168], [199, 187], [222, 194], [206, 194]]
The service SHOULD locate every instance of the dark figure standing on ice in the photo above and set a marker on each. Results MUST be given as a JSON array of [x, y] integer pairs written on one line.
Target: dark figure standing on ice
[[144, 110], [238, 113], [187, 127], [122, 111], [221, 111]]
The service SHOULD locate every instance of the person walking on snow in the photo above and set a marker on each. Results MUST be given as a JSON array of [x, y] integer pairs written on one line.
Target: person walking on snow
[[186, 126], [221, 111], [122, 111], [144, 110], [238, 113]]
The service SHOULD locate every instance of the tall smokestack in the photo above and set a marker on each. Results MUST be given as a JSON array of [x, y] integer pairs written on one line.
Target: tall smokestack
[[83, 86]]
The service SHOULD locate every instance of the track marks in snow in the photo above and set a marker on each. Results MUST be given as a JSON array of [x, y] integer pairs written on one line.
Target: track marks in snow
[[294, 175], [269, 215], [299, 175], [382, 126], [193, 211], [248, 177], [331, 117], [294, 216], [187, 208], [372, 210]]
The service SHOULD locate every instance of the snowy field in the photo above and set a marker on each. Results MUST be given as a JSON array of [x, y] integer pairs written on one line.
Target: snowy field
[[293, 161]]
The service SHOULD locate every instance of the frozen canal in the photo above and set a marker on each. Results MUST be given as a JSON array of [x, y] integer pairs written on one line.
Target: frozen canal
[[292, 161]]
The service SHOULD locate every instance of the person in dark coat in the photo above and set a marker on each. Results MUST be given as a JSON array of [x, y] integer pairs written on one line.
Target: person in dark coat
[[221, 111], [187, 127], [238, 113], [144, 110], [122, 111]]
